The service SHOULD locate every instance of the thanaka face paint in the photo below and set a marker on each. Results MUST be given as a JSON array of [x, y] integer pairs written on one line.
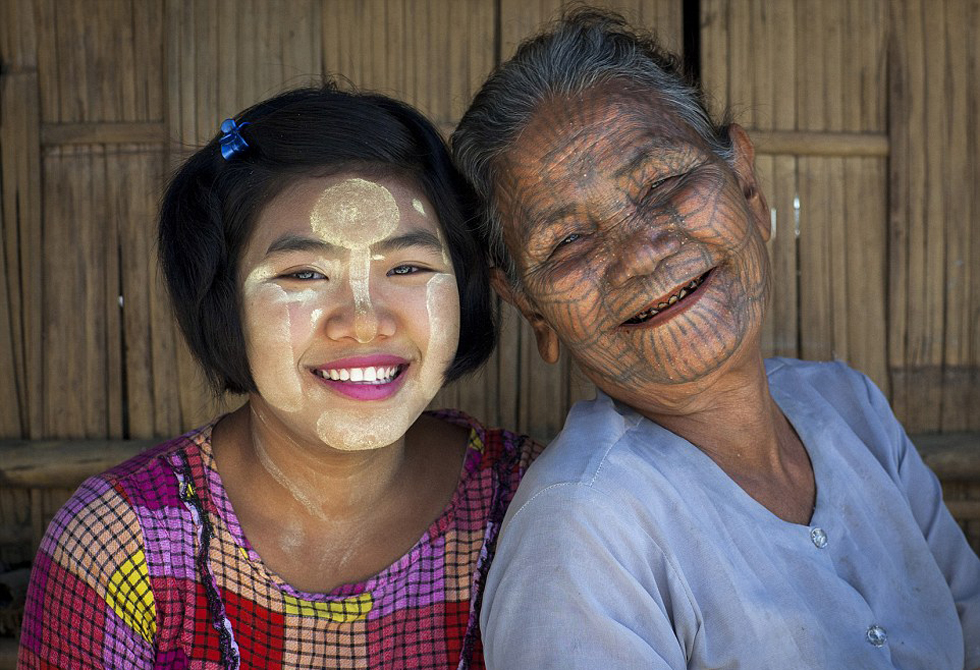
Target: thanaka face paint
[[350, 310]]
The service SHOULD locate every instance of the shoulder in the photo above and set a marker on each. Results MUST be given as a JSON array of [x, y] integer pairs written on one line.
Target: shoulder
[[580, 453], [492, 448], [828, 378], [832, 398], [106, 513]]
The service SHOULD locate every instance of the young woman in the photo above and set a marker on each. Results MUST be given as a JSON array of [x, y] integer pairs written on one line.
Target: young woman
[[319, 261]]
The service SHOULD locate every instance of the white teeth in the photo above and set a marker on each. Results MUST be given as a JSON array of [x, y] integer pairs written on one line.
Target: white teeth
[[367, 375]]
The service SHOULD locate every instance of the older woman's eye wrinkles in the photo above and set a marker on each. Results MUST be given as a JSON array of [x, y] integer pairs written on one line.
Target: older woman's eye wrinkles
[[565, 241]]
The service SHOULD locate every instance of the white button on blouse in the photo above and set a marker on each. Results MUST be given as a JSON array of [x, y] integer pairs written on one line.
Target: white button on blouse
[[877, 636]]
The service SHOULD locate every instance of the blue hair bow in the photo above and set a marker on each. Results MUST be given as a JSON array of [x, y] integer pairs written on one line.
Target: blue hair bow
[[232, 142]]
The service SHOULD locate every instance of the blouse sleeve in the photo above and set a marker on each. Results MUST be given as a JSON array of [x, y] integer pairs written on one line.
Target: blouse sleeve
[[568, 590], [89, 601], [954, 556]]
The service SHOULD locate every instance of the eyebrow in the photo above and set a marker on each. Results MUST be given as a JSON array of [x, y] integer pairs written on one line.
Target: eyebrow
[[648, 152], [415, 238], [300, 243], [541, 223]]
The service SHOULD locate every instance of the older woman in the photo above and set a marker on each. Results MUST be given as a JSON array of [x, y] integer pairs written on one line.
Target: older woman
[[708, 509]]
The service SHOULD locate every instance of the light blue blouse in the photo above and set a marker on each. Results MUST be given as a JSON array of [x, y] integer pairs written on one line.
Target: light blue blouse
[[627, 547]]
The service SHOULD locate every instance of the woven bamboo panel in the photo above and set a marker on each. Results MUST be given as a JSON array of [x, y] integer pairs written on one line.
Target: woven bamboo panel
[[934, 296], [813, 74], [864, 151]]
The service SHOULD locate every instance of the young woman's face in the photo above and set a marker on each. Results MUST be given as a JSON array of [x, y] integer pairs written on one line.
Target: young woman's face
[[350, 309]]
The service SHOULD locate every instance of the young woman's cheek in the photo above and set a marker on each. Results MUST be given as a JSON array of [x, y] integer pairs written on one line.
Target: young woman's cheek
[[440, 316], [270, 333]]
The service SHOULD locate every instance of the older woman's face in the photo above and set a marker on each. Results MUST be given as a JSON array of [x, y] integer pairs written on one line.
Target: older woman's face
[[350, 310], [641, 250]]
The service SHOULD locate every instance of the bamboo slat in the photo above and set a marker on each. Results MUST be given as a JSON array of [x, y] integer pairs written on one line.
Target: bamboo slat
[[973, 180], [20, 209], [900, 182], [714, 53], [956, 410], [21, 203]]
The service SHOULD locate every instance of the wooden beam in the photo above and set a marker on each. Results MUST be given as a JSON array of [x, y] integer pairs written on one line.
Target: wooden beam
[[60, 134], [61, 463], [810, 143], [66, 463], [950, 455]]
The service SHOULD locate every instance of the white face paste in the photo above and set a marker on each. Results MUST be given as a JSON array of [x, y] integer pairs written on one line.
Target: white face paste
[[363, 427], [288, 329], [356, 214]]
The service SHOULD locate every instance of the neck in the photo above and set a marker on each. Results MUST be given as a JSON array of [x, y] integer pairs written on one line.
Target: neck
[[322, 481], [734, 420]]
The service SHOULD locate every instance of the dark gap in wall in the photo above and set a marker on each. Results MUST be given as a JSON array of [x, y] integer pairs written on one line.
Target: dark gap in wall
[[691, 26]]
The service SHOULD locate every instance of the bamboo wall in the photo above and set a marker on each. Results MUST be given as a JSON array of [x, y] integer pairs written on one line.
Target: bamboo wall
[[865, 113]]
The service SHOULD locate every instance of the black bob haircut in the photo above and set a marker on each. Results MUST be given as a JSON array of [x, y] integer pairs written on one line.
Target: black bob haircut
[[211, 205]]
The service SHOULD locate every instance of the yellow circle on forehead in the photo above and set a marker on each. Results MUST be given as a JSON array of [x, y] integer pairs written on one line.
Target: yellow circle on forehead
[[355, 213]]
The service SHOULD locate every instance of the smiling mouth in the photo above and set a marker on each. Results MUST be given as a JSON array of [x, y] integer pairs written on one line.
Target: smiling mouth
[[668, 301], [370, 375]]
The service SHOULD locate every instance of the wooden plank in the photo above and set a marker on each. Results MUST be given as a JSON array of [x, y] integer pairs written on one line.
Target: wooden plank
[[301, 43], [783, 311], [62, 463], [508, 367], [207, 71], [960, 224], [520, 19], [836, 251], [917, 397], [900, 104], [819, 143], [714, 53], [973, 177], [480, 52], [927, 313], [223, 26], [126, 132], [49, 464]]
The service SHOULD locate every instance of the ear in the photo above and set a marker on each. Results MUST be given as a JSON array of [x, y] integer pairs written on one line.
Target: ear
[[745, 173], [546, 337]]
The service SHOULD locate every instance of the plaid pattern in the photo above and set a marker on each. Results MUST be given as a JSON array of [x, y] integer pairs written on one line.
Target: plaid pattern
[[146, 567]]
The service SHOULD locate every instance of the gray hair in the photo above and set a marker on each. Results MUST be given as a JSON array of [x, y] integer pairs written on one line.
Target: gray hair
[[585, 48]]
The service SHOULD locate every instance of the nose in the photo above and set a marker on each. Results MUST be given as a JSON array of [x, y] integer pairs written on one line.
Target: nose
[[640, 252], [363, 316]]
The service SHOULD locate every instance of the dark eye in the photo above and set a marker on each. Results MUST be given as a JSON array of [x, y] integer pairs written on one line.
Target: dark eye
[[305, 275], [569, 239], [404, 270], [658, 183]]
